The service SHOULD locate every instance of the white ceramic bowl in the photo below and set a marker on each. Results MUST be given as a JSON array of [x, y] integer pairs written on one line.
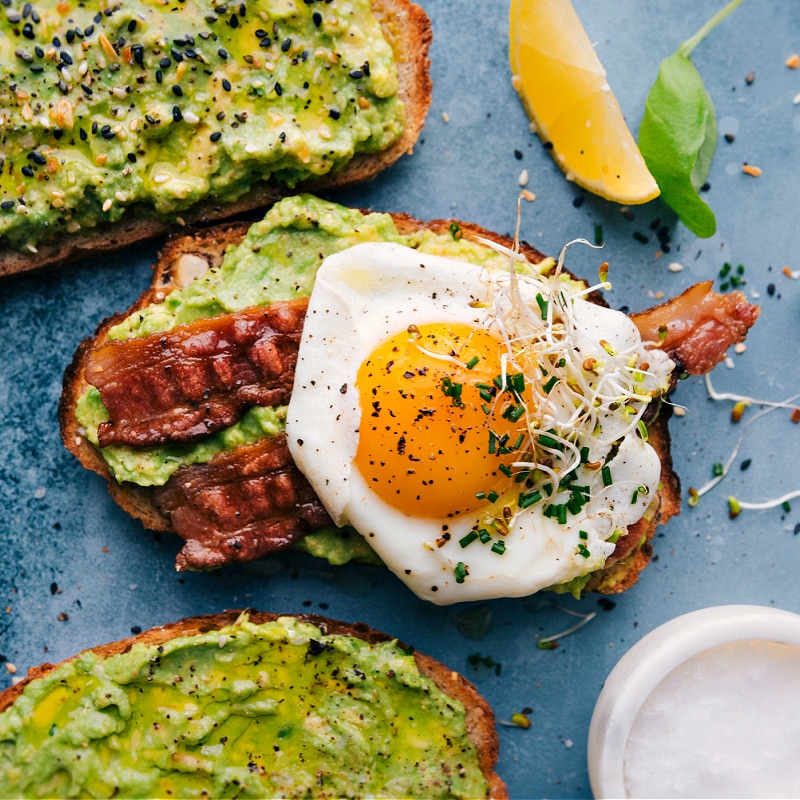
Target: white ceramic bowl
[[651, 659]]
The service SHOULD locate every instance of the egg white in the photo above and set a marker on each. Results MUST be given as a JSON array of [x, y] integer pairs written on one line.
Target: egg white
[[366, 294]]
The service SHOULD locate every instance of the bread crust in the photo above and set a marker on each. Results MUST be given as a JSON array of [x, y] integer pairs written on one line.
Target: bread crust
[[480, 721], [208, 245], [408, 31]]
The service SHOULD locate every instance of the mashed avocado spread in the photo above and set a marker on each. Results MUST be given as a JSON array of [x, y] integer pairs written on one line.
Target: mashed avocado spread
[[164, 104], [275, 709]]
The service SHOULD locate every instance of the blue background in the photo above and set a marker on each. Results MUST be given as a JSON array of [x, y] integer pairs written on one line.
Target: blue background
[[75, 571]]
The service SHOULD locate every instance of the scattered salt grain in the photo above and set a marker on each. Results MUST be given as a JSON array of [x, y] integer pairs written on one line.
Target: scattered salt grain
[[675, 267]]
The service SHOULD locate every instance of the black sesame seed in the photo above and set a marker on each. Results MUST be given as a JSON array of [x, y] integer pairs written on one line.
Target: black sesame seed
[[39, 52], [7, 205], [37, 158], [176, 54], [37, 68], [190, 53], [70, 36], [285, 45], [26, 10], [176, 114], [87, 89], [226, 84], [66, 58], [222, 53], [138, 53], [177, 91], [261, 33], [242, 9], [98, 18], [150, 119], [57, 133], [159, 76], [233, 21], [89, 30], [95, 128], [265, 42], [216, 136], [24, 56], [165, 62], [82, 133], [13, 17], [211, 18], [132, 26], [132, 158], [27, 31], [356, 74], [282, 136], [27, 171], [316, 18], [334, 113], [278, 89], [365, 68]]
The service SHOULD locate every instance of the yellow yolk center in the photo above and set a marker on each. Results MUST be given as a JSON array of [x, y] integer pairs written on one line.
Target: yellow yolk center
[[435, 432]]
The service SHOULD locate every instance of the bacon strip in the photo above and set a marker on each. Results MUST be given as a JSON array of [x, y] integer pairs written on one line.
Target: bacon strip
[[698, 326], [240, 506], [198, 378]]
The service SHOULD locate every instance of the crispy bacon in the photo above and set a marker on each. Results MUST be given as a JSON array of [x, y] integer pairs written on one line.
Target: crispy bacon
[[697, 327], [240, 506], [198, 378]]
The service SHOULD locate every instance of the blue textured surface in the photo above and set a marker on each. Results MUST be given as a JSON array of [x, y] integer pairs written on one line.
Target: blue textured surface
[[75, 571]]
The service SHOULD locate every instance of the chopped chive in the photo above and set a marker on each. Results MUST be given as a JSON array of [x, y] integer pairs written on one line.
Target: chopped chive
[[485, 393], [492, 442], [642, 428], [584, 455], [480, 495], [548, 387], [473, 362], [548, 489], [486, 410], [561, 513], [583, 535], [574, 505], [786, 506], [635, 495], [606, 473], [506, 470], [461, 572], [718, 469], [527, 499], [492, 496], [468, 539], [499, 548], [542, 303], [517, 382], [584, 550], [520, 440], [484, 535]]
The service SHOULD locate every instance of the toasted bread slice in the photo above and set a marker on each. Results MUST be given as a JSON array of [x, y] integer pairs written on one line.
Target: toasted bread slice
[[479, 718], [183, 258], [408, 31]]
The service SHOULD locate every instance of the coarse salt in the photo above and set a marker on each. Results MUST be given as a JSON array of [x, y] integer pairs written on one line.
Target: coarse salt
[[723, 724]]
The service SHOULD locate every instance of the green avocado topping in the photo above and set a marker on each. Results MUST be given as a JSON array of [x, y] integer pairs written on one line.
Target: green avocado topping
[[104, 106], [249, 710]]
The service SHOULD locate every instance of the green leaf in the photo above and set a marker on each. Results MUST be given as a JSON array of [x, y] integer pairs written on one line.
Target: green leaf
[[677, 138], [678, 134]]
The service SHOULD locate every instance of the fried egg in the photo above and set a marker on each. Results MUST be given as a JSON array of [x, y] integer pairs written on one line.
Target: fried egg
[[479, 426]]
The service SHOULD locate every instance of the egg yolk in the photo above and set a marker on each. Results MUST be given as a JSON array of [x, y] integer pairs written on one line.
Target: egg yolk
[[437, 436]]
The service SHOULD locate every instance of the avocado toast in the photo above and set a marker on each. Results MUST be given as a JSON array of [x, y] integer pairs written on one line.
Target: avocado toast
[[275, 261], [248, 704], [121, 122]]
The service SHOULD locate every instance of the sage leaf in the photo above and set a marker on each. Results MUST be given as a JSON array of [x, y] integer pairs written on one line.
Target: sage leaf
[[678, 134]]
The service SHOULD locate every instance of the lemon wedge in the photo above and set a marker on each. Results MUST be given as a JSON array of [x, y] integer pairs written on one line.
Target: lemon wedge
[[564, 90]]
